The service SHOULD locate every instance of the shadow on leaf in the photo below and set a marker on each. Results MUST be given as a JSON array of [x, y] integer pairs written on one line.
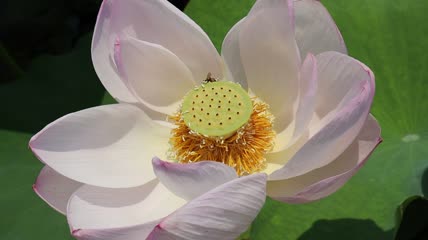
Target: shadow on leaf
[[349, 229], [424, 183]]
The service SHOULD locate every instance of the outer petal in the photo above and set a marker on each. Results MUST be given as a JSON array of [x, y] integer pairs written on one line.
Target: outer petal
[[55, 189], [328, 179], [93, 211], [109, 146], [339, 128], [308, 83], [315, 30], [222, 213], [159, 22], [194, 179], [102, 55], [268, 55], [156, 76]]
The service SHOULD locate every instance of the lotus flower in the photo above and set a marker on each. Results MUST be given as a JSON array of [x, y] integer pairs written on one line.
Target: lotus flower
[[221, 124]]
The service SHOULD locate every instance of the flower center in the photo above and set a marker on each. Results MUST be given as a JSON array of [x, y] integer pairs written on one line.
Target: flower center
[[219, 121]]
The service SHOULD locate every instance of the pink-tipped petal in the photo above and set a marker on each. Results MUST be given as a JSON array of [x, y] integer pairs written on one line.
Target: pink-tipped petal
[[308, 83], [191, 180], [341, 125], [157, 77], [270, 58], [93, 208], [107, 146], [337, 74], [55, 189], [328, 179], [102, 55], [222, 213], [315, 29], [159, 22]]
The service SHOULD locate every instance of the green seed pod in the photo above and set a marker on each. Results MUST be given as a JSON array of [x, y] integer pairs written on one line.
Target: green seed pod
[[217, 109]]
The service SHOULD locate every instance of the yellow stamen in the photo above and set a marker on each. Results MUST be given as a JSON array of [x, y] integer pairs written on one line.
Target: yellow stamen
[[243, 150]]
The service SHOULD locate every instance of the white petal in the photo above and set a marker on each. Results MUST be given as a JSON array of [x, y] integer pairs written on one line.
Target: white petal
[[308, 81], [222, 213], [157, 77], [231, 53], [191, 180], [270, 58], [102, 55], [108, 146], [55, 189], [159, 22], [92, 208], [338, 129], [324, 181], [315, 30]]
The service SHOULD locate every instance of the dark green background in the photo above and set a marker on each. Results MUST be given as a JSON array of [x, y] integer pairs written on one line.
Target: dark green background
[[389, 36]]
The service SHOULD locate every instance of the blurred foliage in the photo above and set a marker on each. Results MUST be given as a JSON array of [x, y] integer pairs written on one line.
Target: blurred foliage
[[30, 28]]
